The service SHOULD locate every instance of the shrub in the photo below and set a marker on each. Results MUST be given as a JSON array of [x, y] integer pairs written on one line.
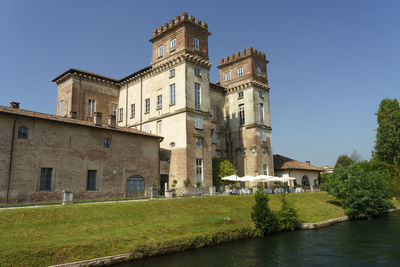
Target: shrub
[[361, 190], [187, 183], [222, 168], [287, 216], [344, 161], [264, 219]]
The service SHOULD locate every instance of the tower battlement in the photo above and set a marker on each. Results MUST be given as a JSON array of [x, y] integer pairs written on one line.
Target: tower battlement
[[241, 54], [178, 20]]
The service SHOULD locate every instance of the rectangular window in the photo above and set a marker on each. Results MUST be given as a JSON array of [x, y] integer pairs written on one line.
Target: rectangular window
[[240, 95], [45, 179], [263, 135], [213, 137], [147, 105], [258, 71], [107, 143], [214, 115], [121, 114], [113, 109], [172, 94], [197, 96], [160, 51], [227, 76], [241, 115], [61, 108], [240, 72], [159, 102], [199, 170], [92, 107], [198, 122], [261, 94], [265, 169], [132, 110], [197, 72], [91, 180], [172, 73], [22, 132], [146, 128], [173, 44], [196, 44], [158, 127], [261, 113]]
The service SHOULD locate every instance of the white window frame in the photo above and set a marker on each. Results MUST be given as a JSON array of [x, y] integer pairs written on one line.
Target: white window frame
[[132, 110], [265, 169], [91, 107], [258, 71], [197, 96], [198, 122], [199, 170], [241, 115], [240, 95], [172, 99], [172, 73], [227, 76], [159, 102], [61, 107], [240, 72], [158, 127], [196, 43], [160, 51], [197, 72], [121, 114], [173, 44], [114, 109], [147, 105]]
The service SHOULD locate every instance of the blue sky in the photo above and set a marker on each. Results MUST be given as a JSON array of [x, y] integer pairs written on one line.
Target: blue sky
[[331, 62]]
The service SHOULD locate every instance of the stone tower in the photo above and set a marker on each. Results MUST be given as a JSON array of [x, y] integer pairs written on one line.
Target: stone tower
[[247, 111]]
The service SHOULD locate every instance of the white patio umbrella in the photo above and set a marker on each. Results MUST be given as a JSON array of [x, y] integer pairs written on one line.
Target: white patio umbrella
[[263, 178], [247, 178], [231, 178]]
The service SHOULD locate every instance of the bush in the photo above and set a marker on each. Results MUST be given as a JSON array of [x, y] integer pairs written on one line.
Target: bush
[[344, 161], [287, 216], [361, 190], [222, 168], [264, 219]]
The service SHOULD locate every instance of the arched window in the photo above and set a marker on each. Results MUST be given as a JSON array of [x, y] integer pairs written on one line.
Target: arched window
[[135, 184], [305, 180], [22, 132]]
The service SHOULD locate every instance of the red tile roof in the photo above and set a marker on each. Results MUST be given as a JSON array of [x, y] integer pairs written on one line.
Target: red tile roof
[[284, 163], [66, 120]]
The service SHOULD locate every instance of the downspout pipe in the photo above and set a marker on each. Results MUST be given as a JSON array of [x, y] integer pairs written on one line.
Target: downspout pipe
[[141, 101], [11, 161]]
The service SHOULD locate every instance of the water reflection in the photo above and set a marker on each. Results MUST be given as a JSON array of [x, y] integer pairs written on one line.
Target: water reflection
[[357, 243]]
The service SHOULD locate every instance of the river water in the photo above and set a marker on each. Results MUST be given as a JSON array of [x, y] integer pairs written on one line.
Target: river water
[[356, 243]]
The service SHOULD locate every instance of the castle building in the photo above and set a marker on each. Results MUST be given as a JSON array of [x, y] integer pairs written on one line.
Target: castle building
[[175, 99]]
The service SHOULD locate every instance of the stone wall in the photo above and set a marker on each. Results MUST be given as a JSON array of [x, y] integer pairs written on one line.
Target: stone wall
[[72, 150]]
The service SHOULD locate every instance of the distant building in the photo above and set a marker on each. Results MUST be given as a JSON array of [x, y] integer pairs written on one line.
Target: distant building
[[41, 155], [327, 169], [174, 98], [305, 173]]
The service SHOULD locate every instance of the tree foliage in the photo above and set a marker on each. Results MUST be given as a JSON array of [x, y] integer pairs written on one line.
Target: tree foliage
[[287, 216], [361, 190], [264, 219], [344, 161], [222, 167], [387, 143]]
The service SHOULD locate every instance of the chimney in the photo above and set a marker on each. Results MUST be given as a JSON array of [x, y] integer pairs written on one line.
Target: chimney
[[308, 162], [14, 105], [97, 118], [72, 114], [112, 122]]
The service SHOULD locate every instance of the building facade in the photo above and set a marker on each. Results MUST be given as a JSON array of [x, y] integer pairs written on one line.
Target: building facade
[[175, 99], [42, 155]]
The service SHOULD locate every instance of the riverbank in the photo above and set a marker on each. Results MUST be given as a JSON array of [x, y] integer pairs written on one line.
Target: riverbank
[[61, 234]]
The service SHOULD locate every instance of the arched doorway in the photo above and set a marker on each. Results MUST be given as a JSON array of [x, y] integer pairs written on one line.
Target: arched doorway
[[135, 186], [305, 180]]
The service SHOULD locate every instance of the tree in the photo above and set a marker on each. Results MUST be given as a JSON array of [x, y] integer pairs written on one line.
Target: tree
[[287, 216], [344, 161], [361, 190], [264, 219], [355, 157], [387, 143], [221, 168]]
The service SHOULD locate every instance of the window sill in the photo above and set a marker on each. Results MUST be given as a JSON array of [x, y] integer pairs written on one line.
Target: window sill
[[159, 108], [172, 105], [172, 77], [132, 117], [200, 129], [147, 112], [240, 97]]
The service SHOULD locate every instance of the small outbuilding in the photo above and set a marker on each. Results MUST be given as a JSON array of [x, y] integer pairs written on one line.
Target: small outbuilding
[[305, 173]]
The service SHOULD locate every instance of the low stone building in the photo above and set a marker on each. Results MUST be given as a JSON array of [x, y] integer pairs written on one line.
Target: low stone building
[[305, 173], [42, 155]]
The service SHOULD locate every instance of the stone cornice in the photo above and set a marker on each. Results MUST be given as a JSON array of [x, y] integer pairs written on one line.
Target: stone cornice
[[248, 84], [256, 125], [87, 77], [217, 88]]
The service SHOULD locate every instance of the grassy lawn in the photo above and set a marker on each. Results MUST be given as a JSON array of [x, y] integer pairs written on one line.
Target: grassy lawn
[[59, 234]]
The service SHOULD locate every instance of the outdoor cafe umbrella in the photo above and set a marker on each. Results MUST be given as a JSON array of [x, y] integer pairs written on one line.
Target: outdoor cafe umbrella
[[231, 178], [263, 178]]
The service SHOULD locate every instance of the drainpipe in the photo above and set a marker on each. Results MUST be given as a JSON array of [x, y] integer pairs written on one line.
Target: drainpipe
[[141, 101], [126, 109], [11, 160]]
